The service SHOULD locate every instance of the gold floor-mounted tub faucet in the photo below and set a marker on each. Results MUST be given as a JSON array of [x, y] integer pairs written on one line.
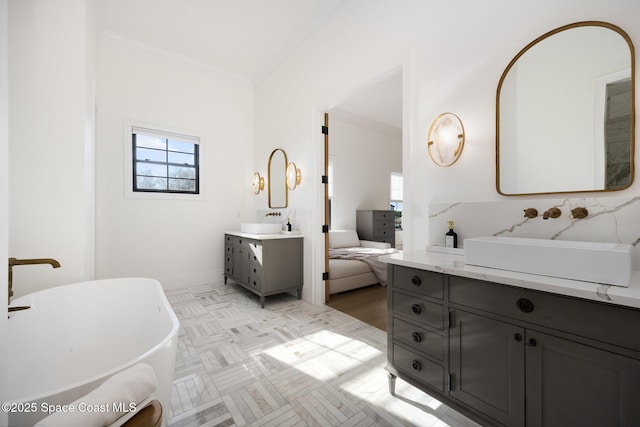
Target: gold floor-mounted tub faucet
[[14, 261]]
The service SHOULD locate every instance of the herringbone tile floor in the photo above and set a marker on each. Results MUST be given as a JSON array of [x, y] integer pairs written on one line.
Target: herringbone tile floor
[[289, 364]]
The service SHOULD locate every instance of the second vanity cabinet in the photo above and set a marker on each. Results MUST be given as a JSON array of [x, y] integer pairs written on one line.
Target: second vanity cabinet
[[265, 266], [518, 357]]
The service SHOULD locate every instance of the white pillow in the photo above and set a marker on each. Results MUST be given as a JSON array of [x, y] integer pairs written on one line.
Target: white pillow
[[343, 239]]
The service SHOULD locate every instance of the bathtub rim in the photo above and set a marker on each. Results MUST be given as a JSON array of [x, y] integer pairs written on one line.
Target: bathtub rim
[[173, 333]]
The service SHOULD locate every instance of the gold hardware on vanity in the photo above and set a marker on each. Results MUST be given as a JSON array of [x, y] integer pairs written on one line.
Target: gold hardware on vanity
[[531, 212], [14, 261], [552, 213], [579, 213], [19, 308]]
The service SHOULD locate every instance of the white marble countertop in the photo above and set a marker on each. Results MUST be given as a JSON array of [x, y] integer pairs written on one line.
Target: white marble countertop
[[281, 235], [452, 262]]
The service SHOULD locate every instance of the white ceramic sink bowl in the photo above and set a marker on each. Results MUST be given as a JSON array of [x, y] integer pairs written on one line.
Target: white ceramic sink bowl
[[608, 263], [260, 228]]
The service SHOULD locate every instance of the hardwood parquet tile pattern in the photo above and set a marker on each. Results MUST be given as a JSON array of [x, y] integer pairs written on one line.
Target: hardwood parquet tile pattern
[[289, 364]]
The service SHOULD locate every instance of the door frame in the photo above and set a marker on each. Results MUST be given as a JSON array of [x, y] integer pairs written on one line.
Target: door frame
[[398, 62]]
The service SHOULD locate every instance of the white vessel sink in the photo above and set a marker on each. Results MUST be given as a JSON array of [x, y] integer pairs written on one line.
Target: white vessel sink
[[608, 263], [260, 228]]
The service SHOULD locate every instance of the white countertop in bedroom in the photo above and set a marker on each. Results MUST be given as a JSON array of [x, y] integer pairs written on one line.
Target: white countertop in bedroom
[[281, 235], [452, 262]]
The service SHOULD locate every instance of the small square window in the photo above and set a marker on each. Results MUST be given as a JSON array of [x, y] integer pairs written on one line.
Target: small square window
[[164, 162]]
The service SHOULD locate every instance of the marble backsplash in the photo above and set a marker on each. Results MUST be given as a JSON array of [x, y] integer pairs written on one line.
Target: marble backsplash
[[610, 219]]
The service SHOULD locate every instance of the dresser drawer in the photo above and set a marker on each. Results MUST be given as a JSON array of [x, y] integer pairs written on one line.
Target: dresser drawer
[[419, 338], [600, 321], [417, 309], [383, 216], [418, 367], [426, 283], [384, 224], [380, 234]]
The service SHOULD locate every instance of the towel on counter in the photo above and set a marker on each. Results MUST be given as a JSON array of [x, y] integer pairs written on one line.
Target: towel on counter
[[124, 390]]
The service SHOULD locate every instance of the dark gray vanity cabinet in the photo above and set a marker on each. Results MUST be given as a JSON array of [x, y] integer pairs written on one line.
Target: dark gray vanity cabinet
[[519, 357], [264, 266]]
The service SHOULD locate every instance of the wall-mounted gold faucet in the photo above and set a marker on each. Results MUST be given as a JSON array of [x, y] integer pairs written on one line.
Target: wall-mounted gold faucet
[[552, 213], [14, 261], [274, 214], [579, 213]]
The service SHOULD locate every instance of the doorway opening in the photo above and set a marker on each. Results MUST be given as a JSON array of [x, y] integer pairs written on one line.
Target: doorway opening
[[364, 163]]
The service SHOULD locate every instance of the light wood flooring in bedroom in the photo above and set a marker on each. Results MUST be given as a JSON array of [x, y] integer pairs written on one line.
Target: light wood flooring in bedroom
[[368, 304]]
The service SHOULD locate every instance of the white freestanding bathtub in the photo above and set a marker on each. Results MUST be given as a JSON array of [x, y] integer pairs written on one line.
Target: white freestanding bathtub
[[76, 336]]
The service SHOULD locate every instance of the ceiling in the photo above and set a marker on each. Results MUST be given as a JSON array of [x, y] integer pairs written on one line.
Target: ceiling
[[243, 37], [380, 102]]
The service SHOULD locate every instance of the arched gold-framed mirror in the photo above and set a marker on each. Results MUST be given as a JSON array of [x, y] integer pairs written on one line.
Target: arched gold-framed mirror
[[277, 177], [565, 113]]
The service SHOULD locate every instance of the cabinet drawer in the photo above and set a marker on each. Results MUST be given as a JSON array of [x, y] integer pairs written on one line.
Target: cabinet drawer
[[423, 282], [255, 251], [599, 321], [255, 269], [426, 312], [254, 281], [419, 338], [419, 367], [228, 270]]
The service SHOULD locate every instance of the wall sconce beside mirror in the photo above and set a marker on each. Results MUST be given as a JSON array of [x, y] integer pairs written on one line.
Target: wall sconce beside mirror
[[565, 113], [277, 176], [446, 139], [293, 176], [257, 183]]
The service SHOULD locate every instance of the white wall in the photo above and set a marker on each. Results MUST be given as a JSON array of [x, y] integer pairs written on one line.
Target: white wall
[[179, 242], [4, 196], [364, 156], [456, 53], [50, 104]]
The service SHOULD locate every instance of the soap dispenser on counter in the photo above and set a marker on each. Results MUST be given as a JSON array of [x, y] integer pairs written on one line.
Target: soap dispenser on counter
[[450, 238]]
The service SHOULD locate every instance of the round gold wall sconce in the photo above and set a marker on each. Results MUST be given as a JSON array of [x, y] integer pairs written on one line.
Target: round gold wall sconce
[[446, 139], [257, 183], [293, 176]]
